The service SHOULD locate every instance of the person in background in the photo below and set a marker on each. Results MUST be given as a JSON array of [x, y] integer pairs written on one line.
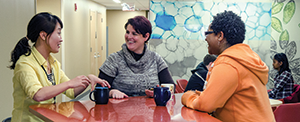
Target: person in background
[[198, 78], [38, 77], [283, 81], [134, 69], [236, 83]]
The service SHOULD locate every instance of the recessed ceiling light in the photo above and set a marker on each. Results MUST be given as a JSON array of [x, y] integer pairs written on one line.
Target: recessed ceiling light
[[117, 1]]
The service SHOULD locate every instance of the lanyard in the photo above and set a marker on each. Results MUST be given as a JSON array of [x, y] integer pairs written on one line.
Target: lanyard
[[50, 76]]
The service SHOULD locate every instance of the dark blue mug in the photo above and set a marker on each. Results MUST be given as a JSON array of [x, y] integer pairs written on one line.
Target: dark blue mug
[[101, 95], [161, 95]]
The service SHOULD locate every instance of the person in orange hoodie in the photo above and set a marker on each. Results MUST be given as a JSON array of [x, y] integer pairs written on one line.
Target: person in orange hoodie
[[236, 89]]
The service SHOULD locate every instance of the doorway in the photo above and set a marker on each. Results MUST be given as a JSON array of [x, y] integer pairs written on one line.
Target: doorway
[[96, 47]]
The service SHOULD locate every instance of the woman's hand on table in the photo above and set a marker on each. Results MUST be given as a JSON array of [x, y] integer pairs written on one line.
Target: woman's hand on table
[[149, 93], [114, 93], [116, 101], [94, 80]]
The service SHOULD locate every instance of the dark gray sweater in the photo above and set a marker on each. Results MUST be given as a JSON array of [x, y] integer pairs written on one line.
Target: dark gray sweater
[[133, 76]]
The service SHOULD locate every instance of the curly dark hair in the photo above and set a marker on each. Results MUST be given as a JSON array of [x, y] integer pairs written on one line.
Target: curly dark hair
[[231, 25]]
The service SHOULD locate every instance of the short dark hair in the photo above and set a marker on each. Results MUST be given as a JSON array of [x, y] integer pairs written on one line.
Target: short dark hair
[[231, 25], [209, 58], [141, 25], [281, 57]]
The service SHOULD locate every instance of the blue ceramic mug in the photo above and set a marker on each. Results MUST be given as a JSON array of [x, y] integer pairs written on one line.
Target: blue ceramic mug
[[101, 95], [161, 95]]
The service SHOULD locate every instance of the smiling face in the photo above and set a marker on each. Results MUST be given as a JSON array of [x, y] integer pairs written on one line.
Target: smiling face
[[213, 42], [54, 40], [134, 40]]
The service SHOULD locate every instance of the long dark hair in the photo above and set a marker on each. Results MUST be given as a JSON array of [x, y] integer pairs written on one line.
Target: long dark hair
[[281, 57], [40, 22]]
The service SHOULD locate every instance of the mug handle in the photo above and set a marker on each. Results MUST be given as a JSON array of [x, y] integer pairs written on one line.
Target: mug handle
[[169, 95], [91, 96]]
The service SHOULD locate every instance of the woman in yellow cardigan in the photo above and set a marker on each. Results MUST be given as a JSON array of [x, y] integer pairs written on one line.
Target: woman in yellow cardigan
[[38, 77]]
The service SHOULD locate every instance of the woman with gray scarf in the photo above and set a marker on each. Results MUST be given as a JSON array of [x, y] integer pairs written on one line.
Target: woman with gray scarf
[[134, 69]]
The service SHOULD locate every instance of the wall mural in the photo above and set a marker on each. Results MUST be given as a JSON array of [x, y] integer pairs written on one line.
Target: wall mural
[[189, 20], [284, 39], [178, 32]]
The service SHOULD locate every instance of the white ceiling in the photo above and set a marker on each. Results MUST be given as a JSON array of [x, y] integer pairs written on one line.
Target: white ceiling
[[111, 5]]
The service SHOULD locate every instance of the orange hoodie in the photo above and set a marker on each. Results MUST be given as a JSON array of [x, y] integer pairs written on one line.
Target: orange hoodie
[[236, 89]]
